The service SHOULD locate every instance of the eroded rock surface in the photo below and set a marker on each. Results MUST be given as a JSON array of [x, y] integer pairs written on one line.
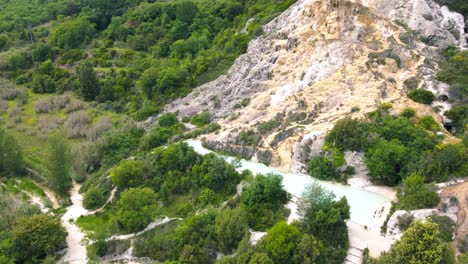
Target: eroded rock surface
[[320, 61]]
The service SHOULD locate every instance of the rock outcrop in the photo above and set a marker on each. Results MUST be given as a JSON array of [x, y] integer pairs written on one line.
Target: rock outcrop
[[320, 61]]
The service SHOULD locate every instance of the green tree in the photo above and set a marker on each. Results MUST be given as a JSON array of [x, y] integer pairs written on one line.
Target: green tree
[[347, 134], [318, 208], [11, 158], [325, 217], [148, 82], [386, 159], [260, 258], [93, 198], [421, 96], [88, 80], [72, 34], [168, 120], [230, 228], [129, 173], [137, 206], [420, 244], [264, 199], [307, 250], [280, 242], [37, 236], [416, 194], [322, 168], [59, 164]]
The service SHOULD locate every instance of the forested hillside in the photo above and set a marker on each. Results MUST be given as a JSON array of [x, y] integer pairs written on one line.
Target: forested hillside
[[103, 104]]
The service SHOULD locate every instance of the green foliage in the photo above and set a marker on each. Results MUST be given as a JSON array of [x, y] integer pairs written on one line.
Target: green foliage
[[307, 250], [421, 96], [420, 244], [137, 207], [459, 115], [446, 161], [202, 119], [37, 236], [230, 227], [129, 173], [386, 161], [89, 84], [268, 126], [117, 145], [11, 158], [428, 123], [462, 244], [72, 34], [416, 194], [404, 221], [167, 127], [93, 198], [249, 137], [263, 198], [446, 226], [59, 164], [453, 70], [168, 120], [280, 242], [463, 258], [322, 168], [318, 208], [347, 134], [12, 207], [325, 218]]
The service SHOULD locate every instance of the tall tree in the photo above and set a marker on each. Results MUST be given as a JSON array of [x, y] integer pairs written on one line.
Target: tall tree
[[89, 83], [59, 164], [420, 244], [37, 236], [11, 160]]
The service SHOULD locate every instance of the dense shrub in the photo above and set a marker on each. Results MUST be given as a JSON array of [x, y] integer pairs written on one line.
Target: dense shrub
[[268, 126], [322, 168], [137, 207], [386, 161], [72, 34], [37, 236], [263, 198], [421, 96], [416, 194], [129, 173], [201, 119], [347, 134], [459, 115], [93, 198], [446, 226]]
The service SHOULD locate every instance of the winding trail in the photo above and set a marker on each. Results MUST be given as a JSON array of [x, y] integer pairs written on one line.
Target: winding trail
[[76, 251]]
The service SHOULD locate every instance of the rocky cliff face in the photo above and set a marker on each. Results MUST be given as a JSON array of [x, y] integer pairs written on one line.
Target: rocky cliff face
[[321, 61]]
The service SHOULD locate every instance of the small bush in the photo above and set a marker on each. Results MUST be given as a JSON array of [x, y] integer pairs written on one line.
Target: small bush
[[201, 119], [404, 221], [104, 124], [446, 226], [268, 126], [93, 198], [421, 96], [322, 168], [76, 123], [428, 123], [411, 83], [44, 106], [462, 244], [47, 124], [75, 106]]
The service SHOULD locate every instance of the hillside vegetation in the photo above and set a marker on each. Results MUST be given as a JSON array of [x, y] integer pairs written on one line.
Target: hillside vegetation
[[84, 90]]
